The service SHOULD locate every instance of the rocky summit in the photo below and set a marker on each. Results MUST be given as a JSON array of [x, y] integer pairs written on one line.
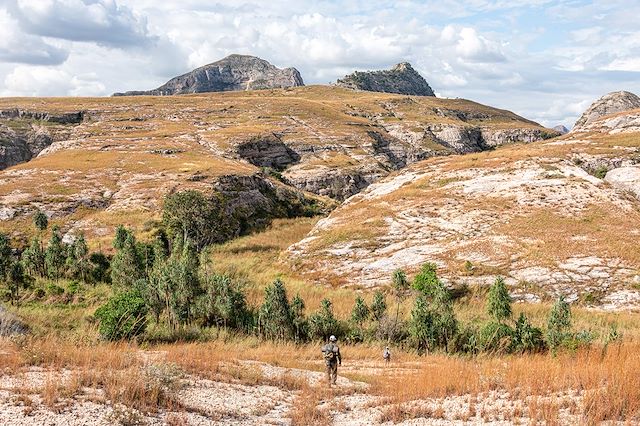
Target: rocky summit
[[608, 104], [233, 73], [402, 79], [561, 128]]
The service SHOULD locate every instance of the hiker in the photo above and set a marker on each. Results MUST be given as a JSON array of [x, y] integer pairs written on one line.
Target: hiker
[[386, 355], [332, 359]]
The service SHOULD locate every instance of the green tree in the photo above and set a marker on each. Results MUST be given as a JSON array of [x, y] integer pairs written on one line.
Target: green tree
[[33, 258], [527, 338], [80, 254], [323, 323], [499, 301], [40, 220], [400, 286], [300, 324], [120, 237], [274, 317], [427, 279], [126, 266], [54, 255], [16, 280], [445, 323], [195, 218], [223, 303], [360, 312], [378, 305], [558, 323], [5, 256], [421, 328]]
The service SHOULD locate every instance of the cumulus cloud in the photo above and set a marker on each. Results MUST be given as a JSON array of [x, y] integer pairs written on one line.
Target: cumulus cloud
[[101, 21], [16, 46], [39, 81]]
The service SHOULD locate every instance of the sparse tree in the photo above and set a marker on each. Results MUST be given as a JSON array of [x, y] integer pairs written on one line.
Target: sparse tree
[[378, 306], [126, 266], [40, 220], [360, 312], [323, 323], [16, 280], [559, 323], [33, 258], [300, 324], [54, 255], [427, 279], [499, 301], [421, 327], [5, 256], [274, 318], [400, 286]]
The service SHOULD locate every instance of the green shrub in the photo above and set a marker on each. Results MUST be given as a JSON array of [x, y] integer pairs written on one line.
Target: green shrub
[[323, 323], [559, 323], [499, 301], [496, 337], [123, 316], [53, 289], [527, 338], [427, 279]]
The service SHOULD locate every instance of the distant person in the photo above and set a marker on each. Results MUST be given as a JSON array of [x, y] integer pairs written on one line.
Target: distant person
[[386, 355], [332, 359]]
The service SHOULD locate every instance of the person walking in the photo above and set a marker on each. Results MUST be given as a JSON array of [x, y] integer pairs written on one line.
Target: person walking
[[386, 355], [332, 359]]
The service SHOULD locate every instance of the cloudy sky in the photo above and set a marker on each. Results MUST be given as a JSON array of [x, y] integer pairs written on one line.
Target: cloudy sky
[[545, 60]]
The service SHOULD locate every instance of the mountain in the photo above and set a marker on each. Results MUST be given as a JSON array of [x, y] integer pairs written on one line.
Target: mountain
[[561, 128], [402, 79], [235, 72], [555, 216], [271, 153], [611, 103]]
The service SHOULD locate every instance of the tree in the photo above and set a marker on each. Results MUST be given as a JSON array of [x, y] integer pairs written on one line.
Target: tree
[[527, 338], [421, 325], [400, 285], [323, 323], [427, 279], [445, 323], [195, 218], [559, 323], [33, 258], [360, 312], [54, 255], [223, 303], [499, 301], [80, 254], [16, 280], [5, 256], [120, 237], [300, 324], [126, 266], [40, 220], [378, 306], [274, 318]]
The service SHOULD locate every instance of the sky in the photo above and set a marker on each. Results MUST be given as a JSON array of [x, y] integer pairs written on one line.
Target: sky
[[545, 60]]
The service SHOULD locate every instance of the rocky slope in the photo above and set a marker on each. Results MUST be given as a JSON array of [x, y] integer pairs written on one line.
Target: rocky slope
[[611, 103], [235, 72], [274, 153], [561, 128], [402, 79], [24, 134], [559, 216]]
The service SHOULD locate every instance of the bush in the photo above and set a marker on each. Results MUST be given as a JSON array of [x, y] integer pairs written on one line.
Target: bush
[[496, 337], [323, 323], [527, 338], [123, 316], [53, 289], [559, 323], [427, 279], [499, 301]]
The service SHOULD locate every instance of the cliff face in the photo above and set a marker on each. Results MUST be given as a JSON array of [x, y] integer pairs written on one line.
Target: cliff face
[[611, 103], [402, 79], [233, 73]]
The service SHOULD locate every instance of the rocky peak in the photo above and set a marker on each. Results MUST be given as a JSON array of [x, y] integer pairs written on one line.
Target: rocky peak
[[608, 104], [402, 79], [235, 72], [561, 128]]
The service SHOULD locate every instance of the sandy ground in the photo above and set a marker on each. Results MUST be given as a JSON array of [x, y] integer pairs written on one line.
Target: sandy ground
[[208, 402]]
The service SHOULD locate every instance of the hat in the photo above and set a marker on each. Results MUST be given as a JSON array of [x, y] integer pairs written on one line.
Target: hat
[[332, 338]]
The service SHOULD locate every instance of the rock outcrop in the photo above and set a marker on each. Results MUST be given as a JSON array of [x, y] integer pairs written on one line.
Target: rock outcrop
[[402, 79], [233, 73], [24, 134], [609, 104]]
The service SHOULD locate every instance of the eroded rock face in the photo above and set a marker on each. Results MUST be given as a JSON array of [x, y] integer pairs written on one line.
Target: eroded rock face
[[561, 128], [625, 178], [235, 72], [608, 104], [267, 151], [402, 79]]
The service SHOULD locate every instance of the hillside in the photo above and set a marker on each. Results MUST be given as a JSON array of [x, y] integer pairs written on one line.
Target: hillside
[[558, 216], [317, 144]]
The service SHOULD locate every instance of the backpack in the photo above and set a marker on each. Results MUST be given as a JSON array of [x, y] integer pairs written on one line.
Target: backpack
[[329, 354]]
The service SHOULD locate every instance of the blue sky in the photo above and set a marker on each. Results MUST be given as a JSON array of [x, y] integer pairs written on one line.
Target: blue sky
[[545, 60]]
